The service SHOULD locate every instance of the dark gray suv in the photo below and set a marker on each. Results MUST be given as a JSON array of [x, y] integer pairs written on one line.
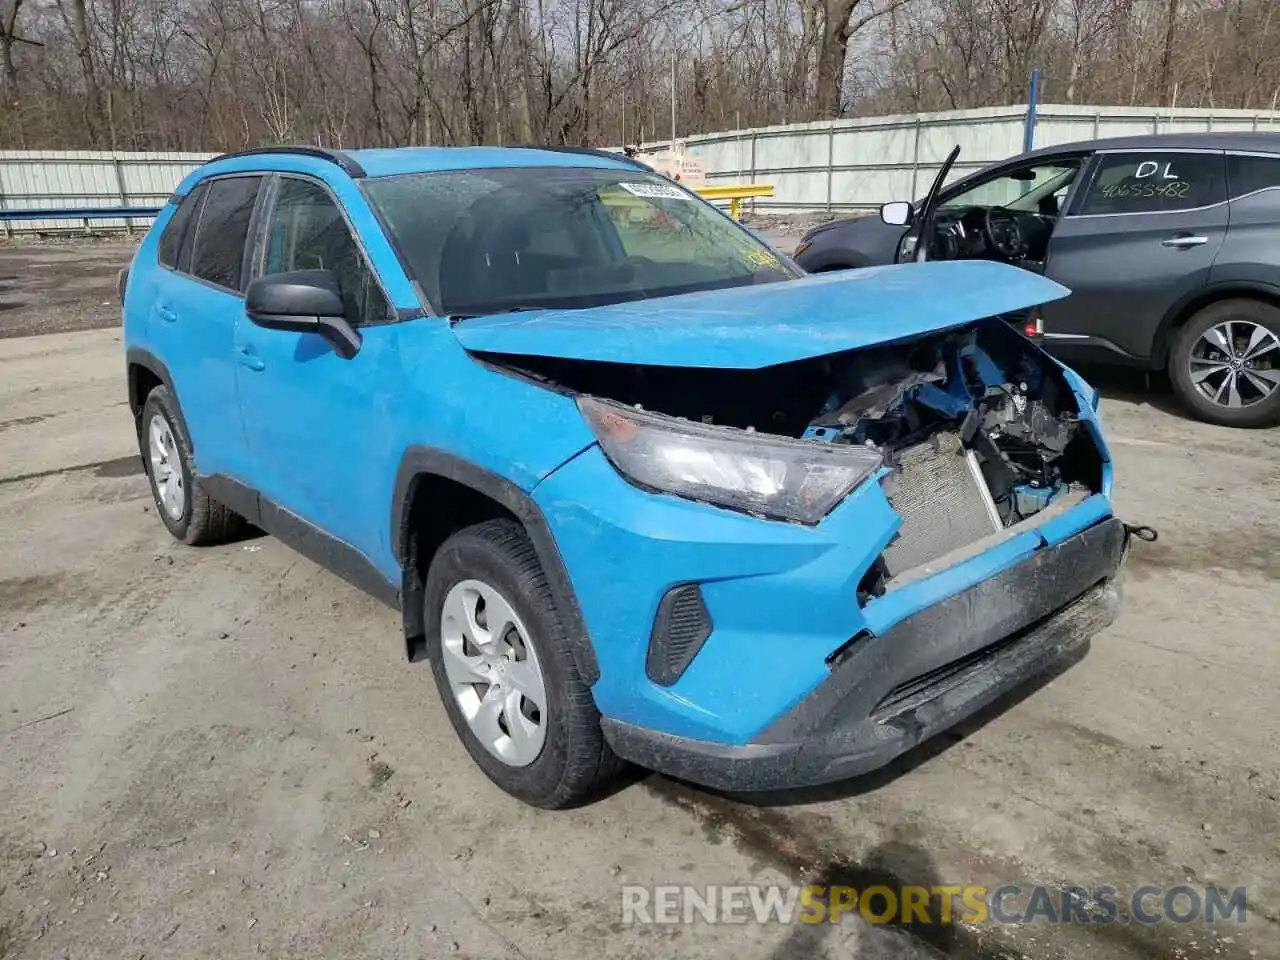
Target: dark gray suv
[[1169, 244]]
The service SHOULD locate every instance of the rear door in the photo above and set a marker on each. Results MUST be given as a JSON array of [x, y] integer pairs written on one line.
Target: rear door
[[1141, 235], [1251, 253], [199, 297]]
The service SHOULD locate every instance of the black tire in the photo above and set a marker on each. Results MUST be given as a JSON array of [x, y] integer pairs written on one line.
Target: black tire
[[203, 520], [1263, 413], [575, 762]]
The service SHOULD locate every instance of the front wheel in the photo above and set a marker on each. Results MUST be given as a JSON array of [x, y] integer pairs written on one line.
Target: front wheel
[[1225, 363], [501, 659]]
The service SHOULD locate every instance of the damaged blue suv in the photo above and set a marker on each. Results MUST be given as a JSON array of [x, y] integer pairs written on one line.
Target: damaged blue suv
[[642, 490]]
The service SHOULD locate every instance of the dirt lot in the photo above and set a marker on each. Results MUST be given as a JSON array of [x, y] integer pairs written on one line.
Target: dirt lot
[[57, 285], [221, 753]]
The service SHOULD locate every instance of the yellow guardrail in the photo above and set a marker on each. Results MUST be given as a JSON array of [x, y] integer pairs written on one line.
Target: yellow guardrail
[[735, 193]]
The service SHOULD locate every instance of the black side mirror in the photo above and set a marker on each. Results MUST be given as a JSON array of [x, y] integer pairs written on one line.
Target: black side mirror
[[304, 301]]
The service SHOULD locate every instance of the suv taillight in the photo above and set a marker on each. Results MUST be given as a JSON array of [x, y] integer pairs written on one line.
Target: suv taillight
[[122, 280]]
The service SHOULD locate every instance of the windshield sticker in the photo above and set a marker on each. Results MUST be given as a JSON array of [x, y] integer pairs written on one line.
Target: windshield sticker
[[762, 258], [1176, 190], [655, 191]]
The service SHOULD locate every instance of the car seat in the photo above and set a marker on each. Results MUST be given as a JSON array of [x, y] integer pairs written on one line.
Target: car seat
[[485, 258]]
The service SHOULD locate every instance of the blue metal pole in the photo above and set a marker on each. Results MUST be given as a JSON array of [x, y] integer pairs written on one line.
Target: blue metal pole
[[80, 213], [1029, 128]]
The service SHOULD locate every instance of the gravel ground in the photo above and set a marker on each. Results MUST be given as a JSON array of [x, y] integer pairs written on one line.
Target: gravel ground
[[221, 753], [58, 285]]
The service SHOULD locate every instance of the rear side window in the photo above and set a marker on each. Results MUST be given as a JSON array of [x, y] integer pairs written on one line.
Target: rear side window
[[218, 254], [1251, 174], [1155, 183], [178, 229]]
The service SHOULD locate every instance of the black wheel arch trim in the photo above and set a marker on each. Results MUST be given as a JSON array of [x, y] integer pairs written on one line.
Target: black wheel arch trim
[[421, 461], [1197, 300], [138, 357]]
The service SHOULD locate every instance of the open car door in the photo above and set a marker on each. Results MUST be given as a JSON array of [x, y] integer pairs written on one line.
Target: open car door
[[929, 208]]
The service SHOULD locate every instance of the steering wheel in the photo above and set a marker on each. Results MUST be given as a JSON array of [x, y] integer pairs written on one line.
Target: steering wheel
[[946, 244], [1003, 234]]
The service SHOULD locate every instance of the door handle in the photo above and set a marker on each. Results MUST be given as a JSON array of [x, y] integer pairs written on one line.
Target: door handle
[[166, 313], [248, 358], [1184, 242]]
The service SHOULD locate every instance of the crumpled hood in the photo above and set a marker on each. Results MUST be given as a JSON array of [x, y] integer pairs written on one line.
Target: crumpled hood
[[759, 326]]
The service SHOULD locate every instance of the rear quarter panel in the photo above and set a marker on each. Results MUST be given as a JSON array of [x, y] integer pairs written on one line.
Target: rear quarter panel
[[140, 292], [1251, 250]]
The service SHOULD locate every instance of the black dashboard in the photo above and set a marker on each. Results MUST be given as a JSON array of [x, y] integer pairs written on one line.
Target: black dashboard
[[966, 233]]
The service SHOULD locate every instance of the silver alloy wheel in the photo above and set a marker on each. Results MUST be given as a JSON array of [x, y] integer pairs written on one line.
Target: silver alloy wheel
[[494, 673], [1236, 363], [166, 470]]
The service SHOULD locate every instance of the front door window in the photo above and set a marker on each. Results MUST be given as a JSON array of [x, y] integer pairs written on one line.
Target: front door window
[[308, 232]]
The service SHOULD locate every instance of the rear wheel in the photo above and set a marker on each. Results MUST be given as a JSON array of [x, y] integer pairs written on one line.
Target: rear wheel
[[502, 664], [1225, 363], [188, 513]]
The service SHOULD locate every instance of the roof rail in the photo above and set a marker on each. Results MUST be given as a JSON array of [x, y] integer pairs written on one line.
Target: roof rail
[[589, 152], [344, 160]]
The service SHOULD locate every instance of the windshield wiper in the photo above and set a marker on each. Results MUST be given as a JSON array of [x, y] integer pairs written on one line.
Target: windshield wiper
[[520, 308]]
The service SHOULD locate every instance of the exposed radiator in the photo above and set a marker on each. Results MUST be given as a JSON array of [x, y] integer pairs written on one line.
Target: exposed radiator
[[943, 501]]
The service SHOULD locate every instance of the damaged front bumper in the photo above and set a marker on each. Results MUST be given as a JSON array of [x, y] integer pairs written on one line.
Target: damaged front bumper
[[887, 693]]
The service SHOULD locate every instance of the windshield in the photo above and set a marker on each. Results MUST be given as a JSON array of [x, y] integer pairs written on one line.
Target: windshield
[[1021, 192], [488, 241]]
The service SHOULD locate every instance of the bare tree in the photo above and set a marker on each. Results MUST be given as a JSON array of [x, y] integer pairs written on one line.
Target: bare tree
[[75, 14], [10, 38], [215, 74], [836, 25]]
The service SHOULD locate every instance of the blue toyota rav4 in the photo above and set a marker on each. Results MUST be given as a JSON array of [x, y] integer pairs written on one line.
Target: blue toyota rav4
[[642, 490]]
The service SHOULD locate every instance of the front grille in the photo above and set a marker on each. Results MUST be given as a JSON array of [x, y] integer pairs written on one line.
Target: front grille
[[944, 503], [933, 684], [1087, 608]]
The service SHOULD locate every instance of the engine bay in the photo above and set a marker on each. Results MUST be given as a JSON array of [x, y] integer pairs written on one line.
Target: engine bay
[[1008, 405], [979, 430]]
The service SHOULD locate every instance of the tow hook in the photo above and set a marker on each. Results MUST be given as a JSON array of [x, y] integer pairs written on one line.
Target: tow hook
[[1137, 531], [1144, 533]]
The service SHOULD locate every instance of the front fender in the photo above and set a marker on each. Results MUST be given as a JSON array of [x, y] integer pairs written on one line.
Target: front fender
[[834, 260], [421, 461]]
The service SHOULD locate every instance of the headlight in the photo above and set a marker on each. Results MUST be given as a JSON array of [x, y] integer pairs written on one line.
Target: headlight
[[775, 477]]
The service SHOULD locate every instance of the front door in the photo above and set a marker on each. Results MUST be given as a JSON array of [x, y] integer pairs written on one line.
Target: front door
[[1142, 235], [310, 415]]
